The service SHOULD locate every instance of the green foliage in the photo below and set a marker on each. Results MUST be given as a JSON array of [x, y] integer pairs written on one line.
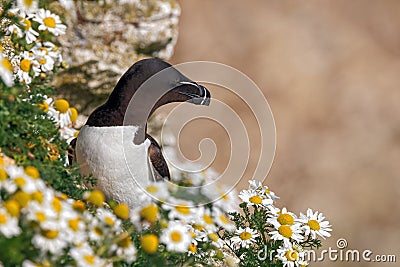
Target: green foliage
[[31, 138]]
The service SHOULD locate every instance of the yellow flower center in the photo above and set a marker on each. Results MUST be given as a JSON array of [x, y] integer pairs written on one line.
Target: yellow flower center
[[44, 49], [32, 172], [314, 225], [7, 64], [50, 234], [49, 22], [42, 61], [213, 236], [3, 174], [74, 224], [291, 255], [25, 65], [28, 3], [182, 209], [267, 191], [286, 219], [193, 234], [3, 218], [225, 197], [109, 221], [122, 211], [285, 231], [149, 243], [152, 189], [223, 219], [74, 114], [1, 161], [245, 235], [38, 196], [28, 24], [150, 213], [198, 227], [176, 236], [22, 198], [20, 181], [12, 207], [79, 205], [89, 259], [255, 200], [40, 216], [98, 231], [57, 205], [193, 248], [207, 219], [125, 241], [61, 105]]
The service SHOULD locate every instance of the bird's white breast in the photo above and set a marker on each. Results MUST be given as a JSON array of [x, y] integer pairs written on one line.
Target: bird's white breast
[[120, 166]]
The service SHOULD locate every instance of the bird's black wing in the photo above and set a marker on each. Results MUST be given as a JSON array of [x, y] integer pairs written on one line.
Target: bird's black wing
[[157, 159], [71, 152]]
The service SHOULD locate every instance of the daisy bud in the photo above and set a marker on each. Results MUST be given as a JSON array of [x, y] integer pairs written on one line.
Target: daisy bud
[[61, 105], [122, 211], [96, 197], [149, 243]]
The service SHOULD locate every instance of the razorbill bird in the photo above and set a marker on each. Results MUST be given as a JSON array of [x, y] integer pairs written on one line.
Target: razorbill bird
[[113, 145]]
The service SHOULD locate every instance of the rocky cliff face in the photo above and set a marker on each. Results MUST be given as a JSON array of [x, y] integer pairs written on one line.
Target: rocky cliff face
[[105, 38]]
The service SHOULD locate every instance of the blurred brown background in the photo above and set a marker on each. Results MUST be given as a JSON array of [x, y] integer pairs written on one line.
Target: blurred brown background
[[331, 73]]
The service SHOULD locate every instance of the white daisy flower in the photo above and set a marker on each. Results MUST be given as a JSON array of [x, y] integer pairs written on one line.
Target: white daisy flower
[[180, 209], [283, 217], [25, 66], [252, 198], [108, 219], [254, 184], [244, 237], [262, 190], [222, 219], [222, 196], [176, 237], [198, 233], [40, 213], [27, 6], [204, 219], [45, 62], [287, 233], [157, 191], [51, 50], [125, 249], [314, 224], [84, 256], [96, 231], [216, 240], [5, 181], [6, 71], [8, 224], [51, 22], [291, 256], [25, 183], [51, 239], [30, 34]]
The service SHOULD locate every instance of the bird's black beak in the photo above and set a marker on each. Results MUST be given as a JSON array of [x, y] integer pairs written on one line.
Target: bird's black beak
[[201, 97]]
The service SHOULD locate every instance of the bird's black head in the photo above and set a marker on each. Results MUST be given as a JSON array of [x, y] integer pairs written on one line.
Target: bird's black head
[[156, 78], [144, 87]]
